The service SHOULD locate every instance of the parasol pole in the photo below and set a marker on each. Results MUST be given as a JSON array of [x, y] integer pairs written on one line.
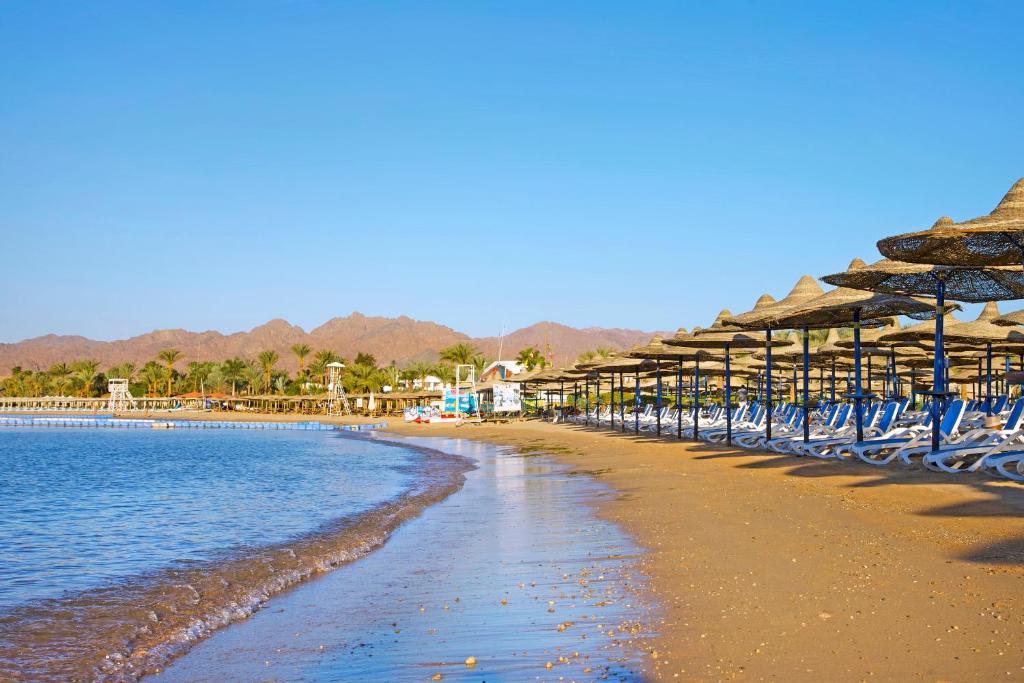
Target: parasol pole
[[768, 384], [586, 418], [636, 403], [988, 379], [657, 365], [938, 371], [728, 399], [832, 386], [611, 406], [857, 408], [679, 399], [807, 390], [696, 399]]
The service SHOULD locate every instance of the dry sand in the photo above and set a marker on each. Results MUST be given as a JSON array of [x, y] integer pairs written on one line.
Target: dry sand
[[774, 567]]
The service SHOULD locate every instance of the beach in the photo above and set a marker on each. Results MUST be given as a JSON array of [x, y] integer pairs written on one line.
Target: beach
[[510, 578], [605, 554], [769, 567]]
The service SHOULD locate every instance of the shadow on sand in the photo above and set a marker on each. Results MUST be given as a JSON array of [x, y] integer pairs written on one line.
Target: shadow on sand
[[1003, 499]]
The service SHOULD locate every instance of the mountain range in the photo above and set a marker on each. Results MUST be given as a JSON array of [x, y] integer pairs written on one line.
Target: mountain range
[[400, 339]]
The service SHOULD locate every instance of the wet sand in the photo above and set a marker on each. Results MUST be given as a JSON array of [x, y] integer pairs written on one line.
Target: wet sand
[[773, 567], [513, 570]]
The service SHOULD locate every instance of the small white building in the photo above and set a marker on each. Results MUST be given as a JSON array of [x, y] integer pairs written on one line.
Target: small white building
[[428, 383]]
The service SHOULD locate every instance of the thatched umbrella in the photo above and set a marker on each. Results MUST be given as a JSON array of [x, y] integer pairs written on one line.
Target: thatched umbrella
[[980, 331], [842, 306], [765, 317], [658, 350], [960, 283], [996, 239], [871, 345], [718, 336], [623, 365]]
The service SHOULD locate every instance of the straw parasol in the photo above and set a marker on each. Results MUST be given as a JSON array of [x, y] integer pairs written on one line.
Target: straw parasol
[[763, 317], [1010, 319], [657, 349], [985, 331], [721, 338], [960, 283], [842, 306], [996, 239], [764, 314]]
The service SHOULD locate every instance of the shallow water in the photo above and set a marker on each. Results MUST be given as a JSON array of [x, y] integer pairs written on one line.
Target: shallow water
[[120, 548], [522, 530]]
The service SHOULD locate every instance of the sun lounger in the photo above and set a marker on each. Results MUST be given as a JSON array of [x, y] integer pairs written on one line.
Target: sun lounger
[[884, 450]]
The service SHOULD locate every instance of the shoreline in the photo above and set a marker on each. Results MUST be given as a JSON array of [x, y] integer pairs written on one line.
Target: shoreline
[[214, 415], [156, 617], [770, 566], [514, 570]]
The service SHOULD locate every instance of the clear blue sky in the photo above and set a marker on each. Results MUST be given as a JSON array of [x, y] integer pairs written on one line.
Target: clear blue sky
[[634, 164]]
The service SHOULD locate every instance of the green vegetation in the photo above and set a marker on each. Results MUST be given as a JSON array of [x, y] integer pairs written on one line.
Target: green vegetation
[[532, 358], [163, 376]]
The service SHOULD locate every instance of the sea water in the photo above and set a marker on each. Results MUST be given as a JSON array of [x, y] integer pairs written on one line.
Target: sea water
[[118, 549]]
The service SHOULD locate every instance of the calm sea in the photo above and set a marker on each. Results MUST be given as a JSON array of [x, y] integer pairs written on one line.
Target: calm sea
[[120, 548]]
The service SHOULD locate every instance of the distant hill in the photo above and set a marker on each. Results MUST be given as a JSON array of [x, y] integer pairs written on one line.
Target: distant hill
[[399, 339]]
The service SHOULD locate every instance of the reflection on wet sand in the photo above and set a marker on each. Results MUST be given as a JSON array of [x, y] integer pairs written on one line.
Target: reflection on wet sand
[[514, 571]]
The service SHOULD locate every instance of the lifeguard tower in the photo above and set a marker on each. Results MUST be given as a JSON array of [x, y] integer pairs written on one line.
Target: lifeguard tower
[[120, 398], [337, 401]]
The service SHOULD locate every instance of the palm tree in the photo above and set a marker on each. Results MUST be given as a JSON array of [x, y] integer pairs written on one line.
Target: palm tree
[[122, 371], [268, 359], [480, 362], [459, 354], [444, 372], [61, 374], [85, 374], [368, 359], [231, 370], [153, 376], [169, 356], [531, 357], [418, 371], [362, 378], [198, 373], [320, 361], [253, 377], [301, 351]]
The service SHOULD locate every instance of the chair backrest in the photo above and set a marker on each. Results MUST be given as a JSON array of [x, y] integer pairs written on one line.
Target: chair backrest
[[1013, 420], [759, 416], [739, 412], [971, 406], [830, 416], [872, 415], [951, 420], [1000, 403], [889, 415], [797, 418], [901, 407], [843, 416]]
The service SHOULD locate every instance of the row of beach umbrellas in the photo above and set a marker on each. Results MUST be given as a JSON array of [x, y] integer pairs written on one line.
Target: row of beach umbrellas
[[922, 275]]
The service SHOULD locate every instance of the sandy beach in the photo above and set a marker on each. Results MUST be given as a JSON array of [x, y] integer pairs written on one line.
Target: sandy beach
[[771, 567]]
